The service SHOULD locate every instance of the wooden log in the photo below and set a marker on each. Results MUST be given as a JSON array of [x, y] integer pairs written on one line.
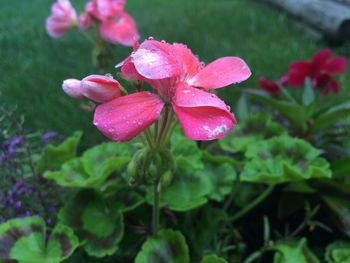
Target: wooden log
[[329, 17]]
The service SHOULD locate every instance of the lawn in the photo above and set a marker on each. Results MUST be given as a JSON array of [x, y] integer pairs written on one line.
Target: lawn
[[33, 65]]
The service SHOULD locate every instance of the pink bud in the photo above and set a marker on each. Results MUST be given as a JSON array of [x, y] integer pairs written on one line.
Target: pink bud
[[100, 88], [84, 21], [73, 88]]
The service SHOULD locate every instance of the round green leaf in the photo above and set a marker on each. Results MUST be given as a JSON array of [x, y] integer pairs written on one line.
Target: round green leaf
[[23, 241], [186, 152], [98, 223], [167, 246], [338, 252], [188, 190], [93, 168], [222, 178], [283, 159]]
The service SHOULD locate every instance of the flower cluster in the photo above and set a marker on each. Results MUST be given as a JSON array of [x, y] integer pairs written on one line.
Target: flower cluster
[[319, 70], [181, 86], [114, 23]]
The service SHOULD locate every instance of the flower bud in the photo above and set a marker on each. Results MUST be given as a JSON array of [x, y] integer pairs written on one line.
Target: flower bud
[[149, 166], [73, 88], [100, 88]]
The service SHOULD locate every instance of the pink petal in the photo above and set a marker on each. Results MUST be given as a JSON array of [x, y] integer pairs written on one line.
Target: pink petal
[[335, 65], [321, 57], [73, 88], [125, 117], [56, 25], [220, 73], [155, 60], [202, 115], [101, 9], [100, 88], [190, 63], [120, 31]]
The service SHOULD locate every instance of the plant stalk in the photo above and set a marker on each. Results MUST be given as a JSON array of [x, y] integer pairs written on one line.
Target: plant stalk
[[156, 208]]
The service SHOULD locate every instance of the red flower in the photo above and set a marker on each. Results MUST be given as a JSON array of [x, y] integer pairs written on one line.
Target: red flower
[[270, 86], [320, 70]]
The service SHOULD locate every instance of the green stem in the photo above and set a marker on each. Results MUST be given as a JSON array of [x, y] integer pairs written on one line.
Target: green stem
[[253, 204], [156, 208], [149, 138], [88, 37], [164, 124], [168, 130]]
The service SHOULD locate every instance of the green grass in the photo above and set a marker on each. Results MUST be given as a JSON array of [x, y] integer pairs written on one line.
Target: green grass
[[33, 65]]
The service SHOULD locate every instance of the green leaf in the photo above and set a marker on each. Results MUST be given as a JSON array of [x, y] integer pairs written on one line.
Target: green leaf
[[188, 190], [98, 158], [203, 232], [340, 208], [308, 92], [242, 109], [341, 168], [292, 252], [295, 113], [23, 241], [213, 259], [54, 156], [93, 168], [255, 128], [128, 200], [167, 246], [326, 120], [96, 222], [222, 178], [338, 252], [283, 159], [186, 152]]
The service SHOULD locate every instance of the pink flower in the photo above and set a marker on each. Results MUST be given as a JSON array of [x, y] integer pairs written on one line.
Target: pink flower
[[105, 9], [270, 86], [97, 88], [115, 25], [120, 30], [62, 17], [175, 75], [320, 70], [84, 21]]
